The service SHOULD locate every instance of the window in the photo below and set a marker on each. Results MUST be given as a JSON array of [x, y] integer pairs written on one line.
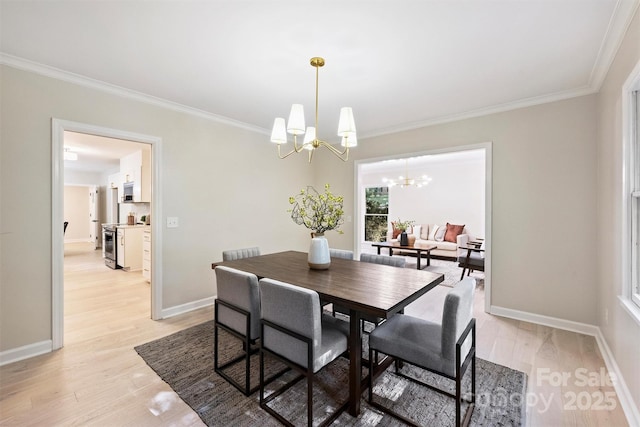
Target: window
[[634, 194], [630, 296], [377, 211]]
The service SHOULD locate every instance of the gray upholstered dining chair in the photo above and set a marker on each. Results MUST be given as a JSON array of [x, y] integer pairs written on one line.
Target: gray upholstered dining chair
[[383, 259], [443, 348], [340, 253], [295, 332], [237, 311], [233, 254]]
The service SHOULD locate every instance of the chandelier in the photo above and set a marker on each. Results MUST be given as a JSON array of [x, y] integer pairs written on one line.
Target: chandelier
[[406, 181], [296, 127]]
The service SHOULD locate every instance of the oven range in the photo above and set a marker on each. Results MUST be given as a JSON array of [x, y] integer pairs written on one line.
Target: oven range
[[110, 246]]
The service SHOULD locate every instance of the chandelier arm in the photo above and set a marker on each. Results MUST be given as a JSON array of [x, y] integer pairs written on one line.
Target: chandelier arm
[[286, 155], [296, 149], [295, 145], [342, 155]]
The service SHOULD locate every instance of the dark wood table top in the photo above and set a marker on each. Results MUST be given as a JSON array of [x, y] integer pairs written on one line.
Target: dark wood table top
[[378, 290]]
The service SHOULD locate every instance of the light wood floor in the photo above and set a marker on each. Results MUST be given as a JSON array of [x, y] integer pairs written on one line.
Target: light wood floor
[[98, 379]]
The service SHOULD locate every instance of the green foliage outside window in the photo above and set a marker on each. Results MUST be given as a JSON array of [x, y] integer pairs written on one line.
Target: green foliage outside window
[[375, 221]]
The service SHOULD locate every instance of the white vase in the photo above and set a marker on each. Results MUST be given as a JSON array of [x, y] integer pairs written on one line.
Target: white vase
[[319, 258]]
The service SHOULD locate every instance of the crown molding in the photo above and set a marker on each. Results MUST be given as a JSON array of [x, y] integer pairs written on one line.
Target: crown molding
[[500, 108], [618, 25], [56, 73]]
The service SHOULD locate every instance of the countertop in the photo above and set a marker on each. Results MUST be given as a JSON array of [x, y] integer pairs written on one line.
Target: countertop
[[126, 225]]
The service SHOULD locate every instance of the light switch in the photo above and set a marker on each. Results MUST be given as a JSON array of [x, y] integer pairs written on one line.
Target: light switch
[[172, 222]]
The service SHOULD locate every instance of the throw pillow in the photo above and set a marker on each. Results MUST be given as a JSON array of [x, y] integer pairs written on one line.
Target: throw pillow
[[396, 231], [439, 237], [424, 233], [453, 231], [416, 230], [433, 230]]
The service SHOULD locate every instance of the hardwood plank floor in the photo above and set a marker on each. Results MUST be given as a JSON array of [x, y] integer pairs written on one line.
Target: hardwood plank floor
[[98, 379]]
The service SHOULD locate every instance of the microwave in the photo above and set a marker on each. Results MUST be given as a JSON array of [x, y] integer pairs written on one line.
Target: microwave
[[127, 193]]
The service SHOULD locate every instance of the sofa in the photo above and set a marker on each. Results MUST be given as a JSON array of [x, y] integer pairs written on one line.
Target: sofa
[[447, 237]]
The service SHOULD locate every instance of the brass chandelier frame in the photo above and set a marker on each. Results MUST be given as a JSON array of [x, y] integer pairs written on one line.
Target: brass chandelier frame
[[311, 143]]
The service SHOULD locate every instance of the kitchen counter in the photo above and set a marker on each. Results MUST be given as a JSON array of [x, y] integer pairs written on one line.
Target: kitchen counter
[[126, 225]]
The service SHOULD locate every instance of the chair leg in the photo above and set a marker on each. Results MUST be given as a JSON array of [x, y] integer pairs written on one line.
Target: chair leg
[[372, 367], [462, 275], [310, 398], [247, 365]]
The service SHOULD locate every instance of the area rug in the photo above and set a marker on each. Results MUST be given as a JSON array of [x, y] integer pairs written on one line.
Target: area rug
[[184, 360], [450, 270]]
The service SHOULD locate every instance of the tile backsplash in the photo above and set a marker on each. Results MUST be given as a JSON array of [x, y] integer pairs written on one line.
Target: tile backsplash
[[138, 210]]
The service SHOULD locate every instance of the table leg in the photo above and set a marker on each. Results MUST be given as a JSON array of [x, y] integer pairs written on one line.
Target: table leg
[[419, 258], [355, 363], [379, 250], [428, 258]]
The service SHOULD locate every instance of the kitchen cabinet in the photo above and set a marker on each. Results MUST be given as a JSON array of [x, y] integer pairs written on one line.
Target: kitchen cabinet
[[115, 181], [129, 254], [146, 255], [136, 168]]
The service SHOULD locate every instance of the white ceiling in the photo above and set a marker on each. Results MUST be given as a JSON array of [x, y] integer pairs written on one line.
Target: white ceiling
[[400, 64], [96, 153]]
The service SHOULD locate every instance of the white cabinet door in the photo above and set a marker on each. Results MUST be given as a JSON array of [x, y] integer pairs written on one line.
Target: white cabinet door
[[136, 168], [130, 248], [120, 247], [146, 255]]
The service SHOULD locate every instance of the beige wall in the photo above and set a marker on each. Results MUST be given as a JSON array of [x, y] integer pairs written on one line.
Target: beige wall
[[544, 201], [226, 186], [620, 330]]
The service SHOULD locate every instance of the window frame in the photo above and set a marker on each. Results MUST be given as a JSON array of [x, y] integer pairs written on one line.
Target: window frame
[[366, 214], [630, 296]]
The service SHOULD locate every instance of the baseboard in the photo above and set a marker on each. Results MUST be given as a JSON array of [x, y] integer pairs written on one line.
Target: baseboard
[[25, 352], [624, 395], [185, 308], [554, 322]]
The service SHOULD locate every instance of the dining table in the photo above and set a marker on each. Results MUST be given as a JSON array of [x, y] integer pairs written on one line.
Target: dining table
[[363, 288]]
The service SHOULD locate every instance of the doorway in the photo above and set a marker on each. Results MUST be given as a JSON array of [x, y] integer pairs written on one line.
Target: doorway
[[372, 172], [59, 127]]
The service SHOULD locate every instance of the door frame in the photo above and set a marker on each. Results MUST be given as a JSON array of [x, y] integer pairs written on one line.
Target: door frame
[[488, 176], [58, 127]]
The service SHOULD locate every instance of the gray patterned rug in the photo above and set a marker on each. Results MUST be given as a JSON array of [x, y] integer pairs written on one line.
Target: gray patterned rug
[[450, 270], [184, 360]]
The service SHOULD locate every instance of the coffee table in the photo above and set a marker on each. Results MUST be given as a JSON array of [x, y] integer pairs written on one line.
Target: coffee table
[[419, 250]]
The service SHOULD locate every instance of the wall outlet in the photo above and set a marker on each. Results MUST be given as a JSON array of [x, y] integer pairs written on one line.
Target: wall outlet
[[172, 222]]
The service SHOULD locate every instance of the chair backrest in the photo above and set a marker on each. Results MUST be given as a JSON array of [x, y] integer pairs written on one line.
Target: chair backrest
[[340, 253], [458, 311], [394, 261], [240, 289], [296, 309], [234, 254]]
